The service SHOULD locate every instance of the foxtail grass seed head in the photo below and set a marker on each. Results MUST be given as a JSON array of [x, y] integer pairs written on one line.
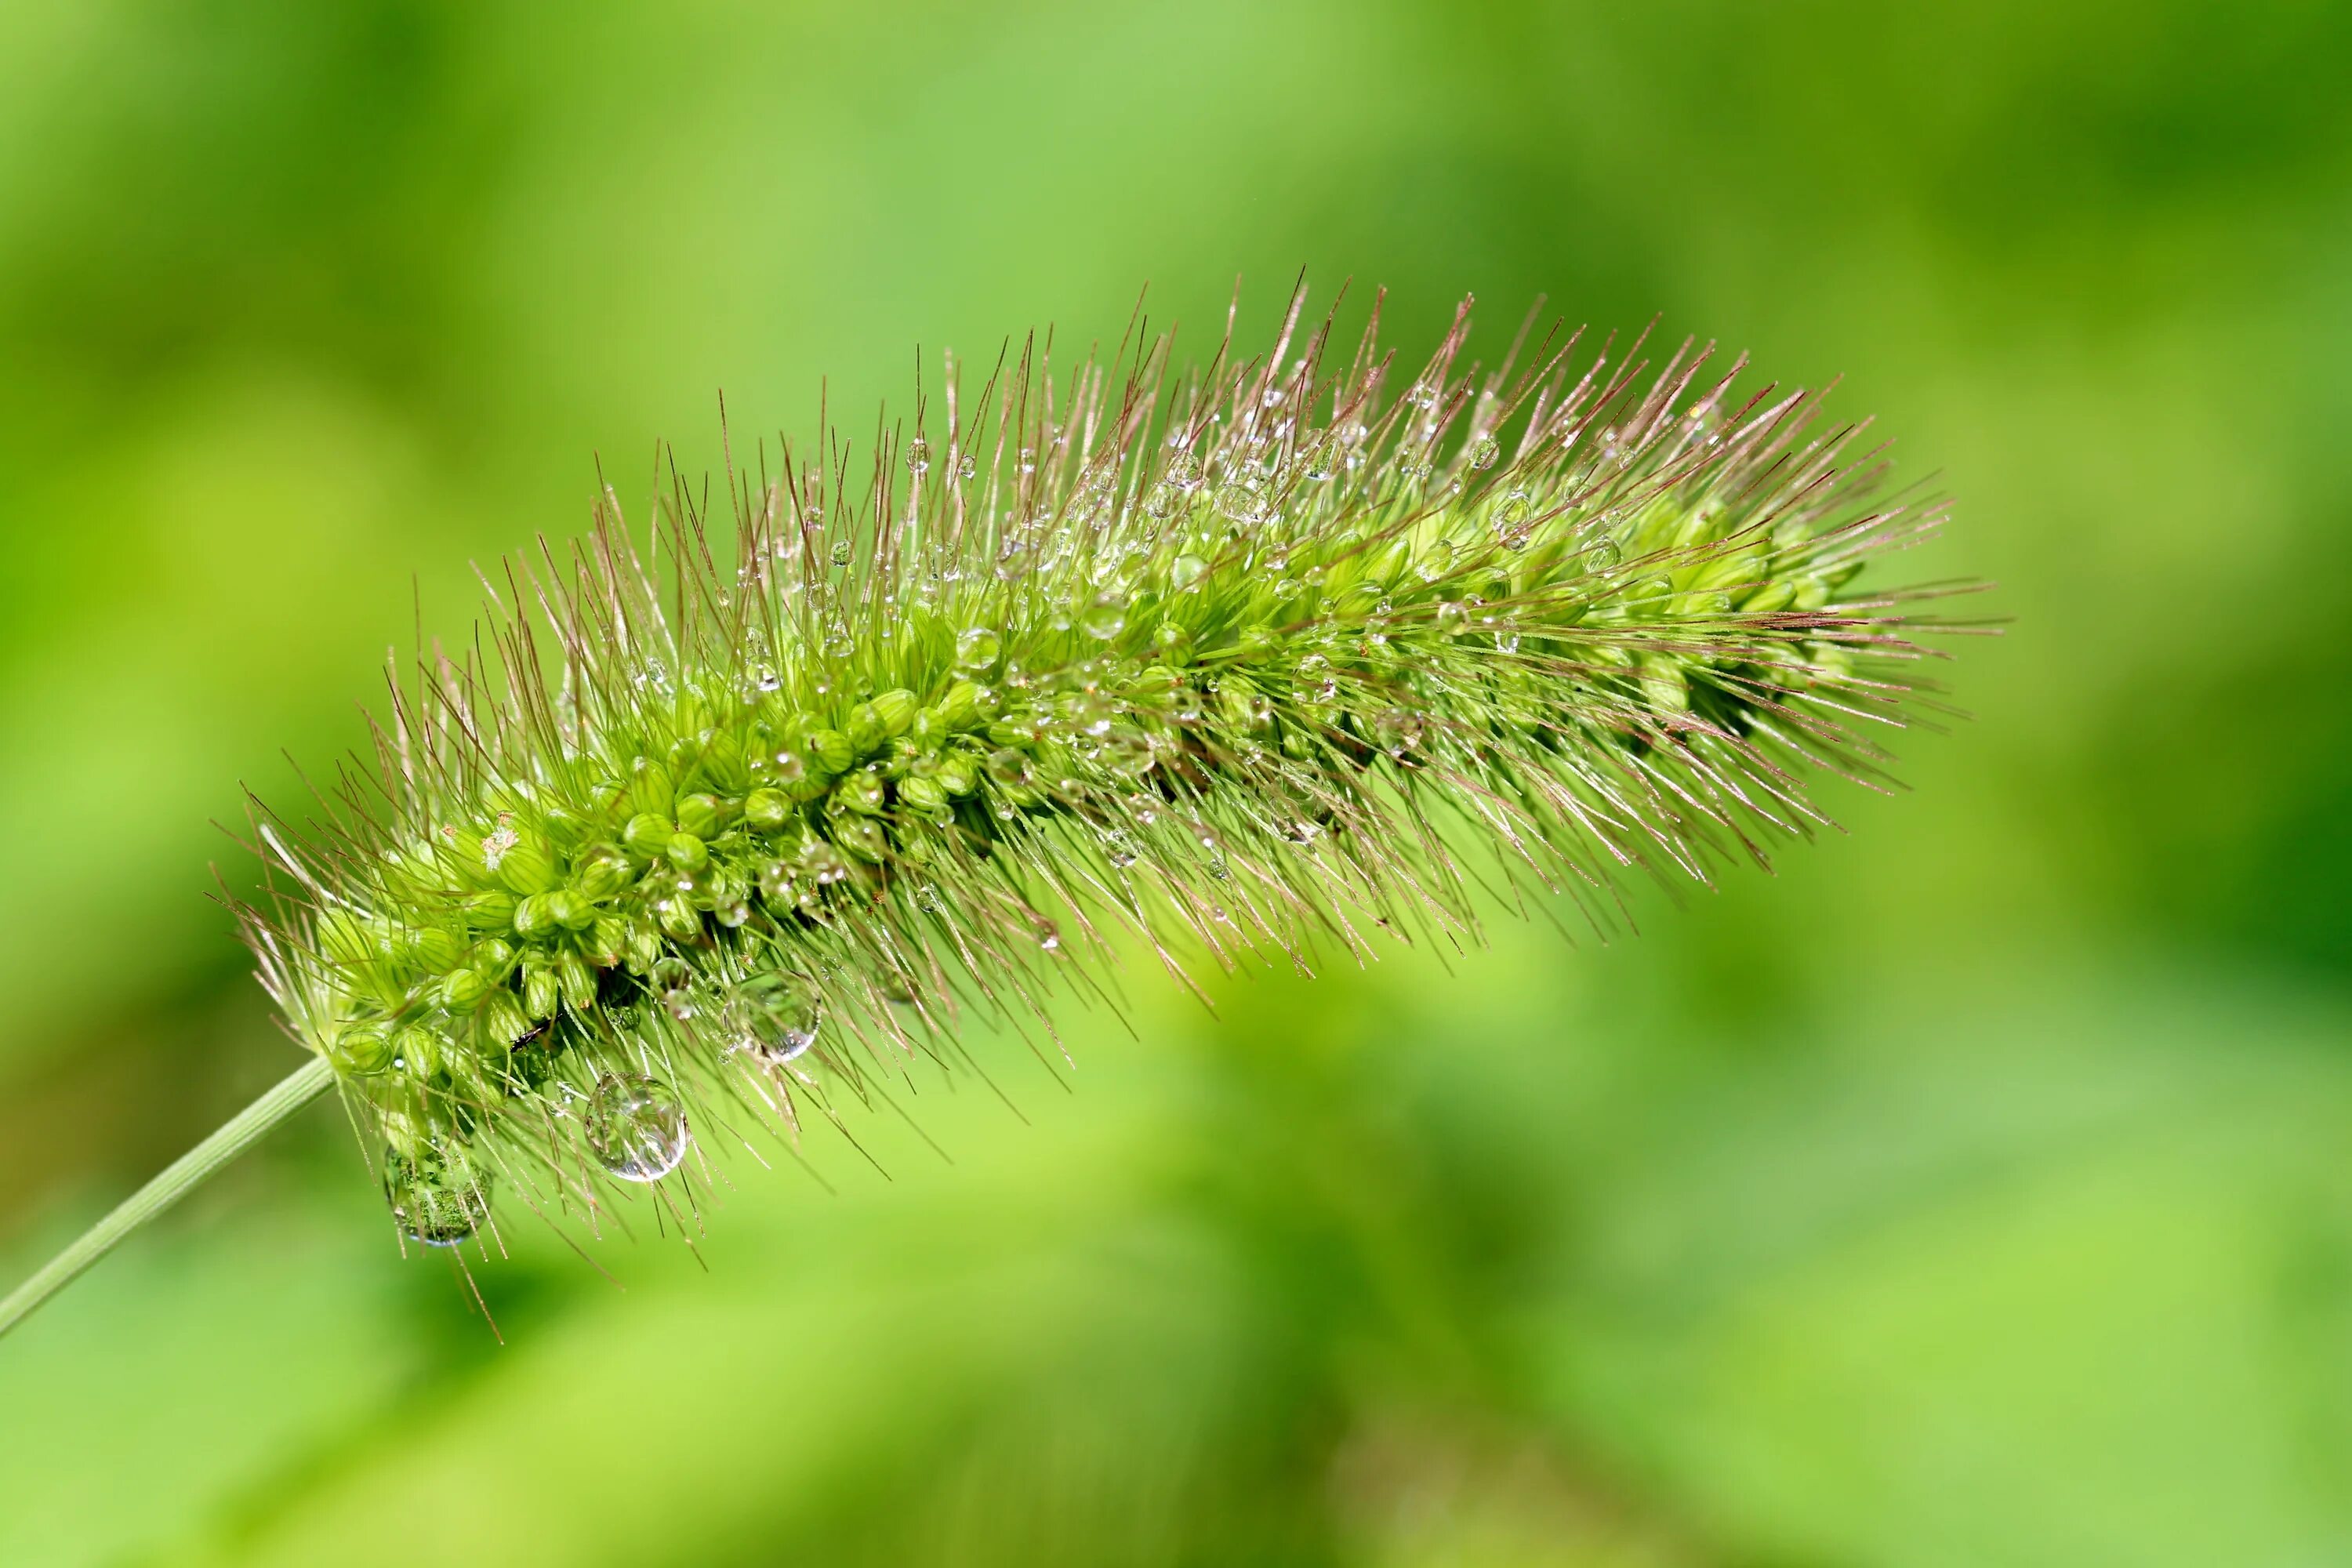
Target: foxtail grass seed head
[[728, 820]]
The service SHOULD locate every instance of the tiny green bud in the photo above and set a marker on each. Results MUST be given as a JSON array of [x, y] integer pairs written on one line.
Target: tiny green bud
[[533, 917], [885, 718], [766, 810], [648, 836], [489, 912], [577, 979], [960, 708], [860, 793], [462, 990], [569, 909], [439, 950], [602, 871], [565, 829], [417, 1050], [862, 836], [650, 790], [362, 1048], [957, 773], [607, 941], [503, 1019], [345, 940], [831, 749], [539, 991], [687, 852], [528, 866], [699, 814], [926, 796], [895, 709]]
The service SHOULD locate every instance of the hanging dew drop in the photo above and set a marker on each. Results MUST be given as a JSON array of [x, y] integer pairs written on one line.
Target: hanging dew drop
[[1484, 451], [964, 466], [977, 648], [776, 1019], [1106, 618], [1242, 505], [436, 1201], [840, 553], [918, 456], [635, 1126]]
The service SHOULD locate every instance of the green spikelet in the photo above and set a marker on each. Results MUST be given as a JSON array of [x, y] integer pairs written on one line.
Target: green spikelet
[[1252, 662]]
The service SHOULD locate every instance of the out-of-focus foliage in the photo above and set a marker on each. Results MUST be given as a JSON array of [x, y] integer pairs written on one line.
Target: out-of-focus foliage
[[1972, 1192]]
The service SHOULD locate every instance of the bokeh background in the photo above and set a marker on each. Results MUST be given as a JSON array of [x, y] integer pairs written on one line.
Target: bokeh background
[[1976, 1191]]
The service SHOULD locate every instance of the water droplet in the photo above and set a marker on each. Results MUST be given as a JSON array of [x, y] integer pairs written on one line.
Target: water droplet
[[1397, 729], [1433, 562], [823, 864], [1129, 753], [1243, 504], [1106, 618], [766, 679], [786, 767], [1011, 768], [1013, 561], [964, 466], [840, 553], [437, 1200], [1452, 617], [1048, 934], [1186, 571], [635, 1126], [775, 1018], [977, 648], [918, 455], [1511, 513], [1484, 451], [775, 879], [1184, 471]]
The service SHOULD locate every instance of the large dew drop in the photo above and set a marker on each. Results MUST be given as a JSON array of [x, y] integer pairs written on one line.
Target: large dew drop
[[775, 1018], [636, 1128], [436, 1201], [977, 648]]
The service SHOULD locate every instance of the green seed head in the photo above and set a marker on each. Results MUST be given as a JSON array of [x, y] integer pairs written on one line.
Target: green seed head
[[1243, 663]]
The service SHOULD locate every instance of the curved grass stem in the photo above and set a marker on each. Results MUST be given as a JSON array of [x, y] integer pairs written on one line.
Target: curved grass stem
[[240, 1132]]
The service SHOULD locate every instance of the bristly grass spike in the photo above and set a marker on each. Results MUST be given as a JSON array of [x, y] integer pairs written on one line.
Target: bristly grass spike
[[735, 819]]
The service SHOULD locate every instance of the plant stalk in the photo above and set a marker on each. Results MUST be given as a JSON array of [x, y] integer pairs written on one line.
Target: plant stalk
[[240, 1132]]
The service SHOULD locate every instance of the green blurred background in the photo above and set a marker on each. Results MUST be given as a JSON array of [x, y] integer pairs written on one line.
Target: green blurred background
[[1974, 1190]]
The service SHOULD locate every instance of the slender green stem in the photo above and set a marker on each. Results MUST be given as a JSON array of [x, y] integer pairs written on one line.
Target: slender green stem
[[297, 1090]]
